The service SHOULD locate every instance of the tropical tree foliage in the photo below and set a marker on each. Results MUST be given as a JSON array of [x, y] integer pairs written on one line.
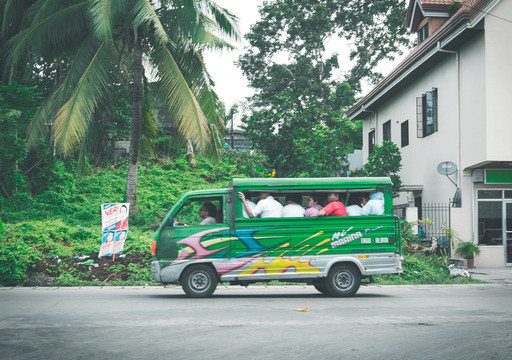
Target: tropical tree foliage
[[16, 105], [386, 160], [302, 87], [101, 45]]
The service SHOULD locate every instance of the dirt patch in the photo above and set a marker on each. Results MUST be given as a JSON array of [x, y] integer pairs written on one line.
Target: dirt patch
[[88, 268]]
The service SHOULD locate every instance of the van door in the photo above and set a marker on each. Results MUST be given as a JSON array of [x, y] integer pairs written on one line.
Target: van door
[[197, 230]]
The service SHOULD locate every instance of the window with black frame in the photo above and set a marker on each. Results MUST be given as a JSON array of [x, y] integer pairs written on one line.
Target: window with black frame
[[490, 217], [371, 142], [405, 133], [423, 34], [427, 113], [386, 131]]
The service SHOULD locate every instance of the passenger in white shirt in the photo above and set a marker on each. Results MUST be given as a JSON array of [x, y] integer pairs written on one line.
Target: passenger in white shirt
[[357, 205], [266, 207], [208, 212], [353, 210], [251, 205], [374, 206], [292, 207]]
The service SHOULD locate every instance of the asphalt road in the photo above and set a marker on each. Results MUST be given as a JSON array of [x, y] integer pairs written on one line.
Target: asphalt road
[[380, 322]]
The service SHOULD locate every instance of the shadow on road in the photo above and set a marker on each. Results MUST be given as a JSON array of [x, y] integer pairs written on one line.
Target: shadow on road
[[261, 296]]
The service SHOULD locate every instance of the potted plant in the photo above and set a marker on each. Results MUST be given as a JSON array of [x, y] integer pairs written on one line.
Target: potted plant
[[467, 250]]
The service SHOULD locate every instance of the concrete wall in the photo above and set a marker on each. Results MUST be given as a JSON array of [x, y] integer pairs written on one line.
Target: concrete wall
[[473, 134], [498, 86], [421, 157], [490, 256]]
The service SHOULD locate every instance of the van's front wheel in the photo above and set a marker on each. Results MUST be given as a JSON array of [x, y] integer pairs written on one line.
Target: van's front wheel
[[199, 281], [343, 280]]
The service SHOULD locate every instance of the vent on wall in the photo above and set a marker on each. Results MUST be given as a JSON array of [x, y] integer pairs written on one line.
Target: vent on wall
[[477, 175]]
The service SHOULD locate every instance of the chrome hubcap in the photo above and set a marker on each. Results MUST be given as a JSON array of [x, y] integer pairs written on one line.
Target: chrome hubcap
[[199, 281], [343, 280]]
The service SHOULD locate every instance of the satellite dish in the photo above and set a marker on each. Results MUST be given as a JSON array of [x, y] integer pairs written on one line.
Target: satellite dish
[[446, 168]]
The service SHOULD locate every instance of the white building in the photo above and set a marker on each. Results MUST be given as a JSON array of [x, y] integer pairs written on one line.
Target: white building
[[448, 101]]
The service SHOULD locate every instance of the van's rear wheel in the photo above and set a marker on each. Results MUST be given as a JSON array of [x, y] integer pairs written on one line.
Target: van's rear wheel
[[343, 280], [199, 281]]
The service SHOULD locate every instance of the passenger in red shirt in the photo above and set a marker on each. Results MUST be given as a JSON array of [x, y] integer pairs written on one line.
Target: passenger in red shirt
[[334, 208]]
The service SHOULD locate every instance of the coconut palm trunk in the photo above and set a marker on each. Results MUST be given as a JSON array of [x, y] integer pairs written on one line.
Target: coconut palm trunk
[[190, 154], [133, 163]]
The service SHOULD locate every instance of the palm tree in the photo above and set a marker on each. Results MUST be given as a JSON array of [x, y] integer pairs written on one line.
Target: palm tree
[[103, 41]]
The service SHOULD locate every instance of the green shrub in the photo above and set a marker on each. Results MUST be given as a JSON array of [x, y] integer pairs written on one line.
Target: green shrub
[[16, 258], [18, 202], [421, 269]]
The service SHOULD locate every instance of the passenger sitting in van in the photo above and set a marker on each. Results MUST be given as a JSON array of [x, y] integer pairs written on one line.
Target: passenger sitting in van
[[313, 205], [356, 205], [374, 206], [251, 204], [267, 206], [334, 208], [293, 207], [208, 212]]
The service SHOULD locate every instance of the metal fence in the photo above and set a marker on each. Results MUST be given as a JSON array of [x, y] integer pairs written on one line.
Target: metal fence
[[438, 215], [399, 210]]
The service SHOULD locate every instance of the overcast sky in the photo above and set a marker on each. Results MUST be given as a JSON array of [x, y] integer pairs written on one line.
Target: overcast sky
[[230, 84]]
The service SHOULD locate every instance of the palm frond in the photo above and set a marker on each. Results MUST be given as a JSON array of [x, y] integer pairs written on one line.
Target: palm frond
[[179, 17], [41, 121], [87, 143], [42, 9], [52, 33], [180, 101], [206, 39], [217, 144], [89, 90], [197, 20], [194, 70], [145, 16], [227, 23], [102, 14], [11, 14]]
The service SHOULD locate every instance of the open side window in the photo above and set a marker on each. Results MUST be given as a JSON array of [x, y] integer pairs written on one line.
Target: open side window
[[346, 196], [201, 211]]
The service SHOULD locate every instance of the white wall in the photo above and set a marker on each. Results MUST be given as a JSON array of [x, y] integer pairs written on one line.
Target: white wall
[[421, 157], [490, 256], [498, 86], [473, 134]]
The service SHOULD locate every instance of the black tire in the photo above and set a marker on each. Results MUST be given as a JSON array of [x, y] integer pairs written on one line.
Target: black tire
[[199, 281], [320, 286], [343, 280]]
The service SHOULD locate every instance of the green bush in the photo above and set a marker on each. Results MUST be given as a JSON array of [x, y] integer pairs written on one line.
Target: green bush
[[421, 269], [16, 258]]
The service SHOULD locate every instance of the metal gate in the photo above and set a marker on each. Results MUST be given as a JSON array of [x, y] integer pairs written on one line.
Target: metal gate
[[439, 216]]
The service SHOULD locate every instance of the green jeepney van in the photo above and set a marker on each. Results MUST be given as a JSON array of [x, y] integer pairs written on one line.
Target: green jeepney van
[[332, 253]]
